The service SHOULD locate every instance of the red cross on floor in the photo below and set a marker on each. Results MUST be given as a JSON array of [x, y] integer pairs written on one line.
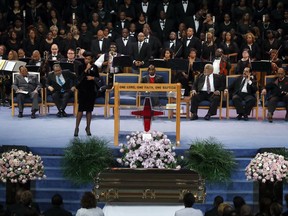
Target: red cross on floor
[[147, 113]]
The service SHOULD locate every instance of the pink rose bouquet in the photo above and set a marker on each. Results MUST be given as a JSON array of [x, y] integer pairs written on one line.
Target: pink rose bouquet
[[148, 150], [267, 167], [18, 166]]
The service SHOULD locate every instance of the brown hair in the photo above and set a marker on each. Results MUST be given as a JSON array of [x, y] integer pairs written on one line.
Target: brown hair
[[88, 200]]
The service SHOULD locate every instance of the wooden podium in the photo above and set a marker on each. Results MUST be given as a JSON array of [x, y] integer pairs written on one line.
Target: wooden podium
[[144, 87]]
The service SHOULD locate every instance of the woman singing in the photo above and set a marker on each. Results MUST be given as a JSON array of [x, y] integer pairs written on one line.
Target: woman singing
[[86, 87]]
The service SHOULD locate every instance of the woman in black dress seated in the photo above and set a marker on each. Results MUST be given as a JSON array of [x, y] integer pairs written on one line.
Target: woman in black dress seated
[[88, 74]]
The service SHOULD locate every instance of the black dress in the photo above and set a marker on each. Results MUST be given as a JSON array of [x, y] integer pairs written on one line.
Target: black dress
[[86, 89]]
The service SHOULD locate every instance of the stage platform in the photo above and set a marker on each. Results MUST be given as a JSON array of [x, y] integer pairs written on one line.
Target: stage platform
[[53, 132]]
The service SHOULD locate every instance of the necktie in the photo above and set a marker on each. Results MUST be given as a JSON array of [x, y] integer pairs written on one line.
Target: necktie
[[242, 84], [208, 85], [59, 81], [139, 47]]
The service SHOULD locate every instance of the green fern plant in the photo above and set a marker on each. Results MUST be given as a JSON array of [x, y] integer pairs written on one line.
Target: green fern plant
[[84, 158], [208, 158]]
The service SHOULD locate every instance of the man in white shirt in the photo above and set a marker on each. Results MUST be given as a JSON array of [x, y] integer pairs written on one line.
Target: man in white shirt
[[189, 201]]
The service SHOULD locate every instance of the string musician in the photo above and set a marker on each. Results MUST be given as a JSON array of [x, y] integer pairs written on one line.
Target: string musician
[[105, 63], [276, 62]]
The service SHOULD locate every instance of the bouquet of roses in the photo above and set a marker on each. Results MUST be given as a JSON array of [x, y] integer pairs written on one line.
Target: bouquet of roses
[[148, 150], [267, 167], [19, 166]]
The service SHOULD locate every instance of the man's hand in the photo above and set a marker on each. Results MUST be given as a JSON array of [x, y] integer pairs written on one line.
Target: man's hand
[[51, 88], [90, 78], [216, 92], [264, 92], [193, 92]]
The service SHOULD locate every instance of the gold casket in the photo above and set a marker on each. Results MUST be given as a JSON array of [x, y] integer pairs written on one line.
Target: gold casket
[[148, 185]]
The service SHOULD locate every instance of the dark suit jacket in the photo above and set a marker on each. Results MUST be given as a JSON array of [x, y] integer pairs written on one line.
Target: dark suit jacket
[[158, 79], [20, 83], [70, 80], [194, 43], [190, 22], [151, 10], [155, 46], [236, 85], [199, 83], [57, 211], [95, 48], [121, 48], [144, 54], [274, 90], [163, 34], [118, 26], [170, 13], [180, 13], [59, 57], [178, 48]]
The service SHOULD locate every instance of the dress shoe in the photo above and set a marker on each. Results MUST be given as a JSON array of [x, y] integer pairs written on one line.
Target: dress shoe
[[194, 117], [239, 117], [20, 115], [246, 118], [286, 117], [270, 118], [207, 117], [88, 131], [59, 114], [33, 116], [63, 113], [76, 131]]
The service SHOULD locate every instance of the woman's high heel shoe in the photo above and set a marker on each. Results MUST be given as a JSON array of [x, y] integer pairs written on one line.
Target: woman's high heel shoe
[[88, 131], [76, 131]]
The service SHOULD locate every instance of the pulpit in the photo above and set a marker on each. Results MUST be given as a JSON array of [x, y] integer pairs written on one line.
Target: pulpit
[[148, 185]]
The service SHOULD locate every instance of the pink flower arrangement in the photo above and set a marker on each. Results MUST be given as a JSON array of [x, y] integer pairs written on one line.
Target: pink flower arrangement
[[267, 167], [19, 166], [148, 150]]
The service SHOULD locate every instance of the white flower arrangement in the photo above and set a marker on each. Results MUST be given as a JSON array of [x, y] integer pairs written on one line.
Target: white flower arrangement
[[18, 166], [267, 167], [148, 150]]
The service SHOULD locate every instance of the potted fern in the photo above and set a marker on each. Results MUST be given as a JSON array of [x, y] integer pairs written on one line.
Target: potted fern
[[209, 158], [85, 158]]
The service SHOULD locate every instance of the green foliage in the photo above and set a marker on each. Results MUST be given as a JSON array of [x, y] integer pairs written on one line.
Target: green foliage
[[208, 158], [84, 158]]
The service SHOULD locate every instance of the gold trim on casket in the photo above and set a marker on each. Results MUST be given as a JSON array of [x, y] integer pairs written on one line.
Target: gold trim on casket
[[148, 185]]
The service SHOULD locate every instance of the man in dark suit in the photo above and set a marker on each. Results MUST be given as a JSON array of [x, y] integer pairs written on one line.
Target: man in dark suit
[[26, 85], [141, 53], [56, 210], [243, 89], [163, 26], [174, 44], [278, 92], [55, 54], [61, 84], [124, 43], [206, 87], [184, 9], [100, 45], [153, 41], [168, 7], [71, 60], [146, 7], [35, 58], [189, 42], [152, 77], [122, 23]]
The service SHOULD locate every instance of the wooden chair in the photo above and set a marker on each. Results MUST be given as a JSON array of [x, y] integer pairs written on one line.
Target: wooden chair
[[101, 101], [229, 103], [166, 74], [73, 101], [127, 99], [28, 101], [280, 104]]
